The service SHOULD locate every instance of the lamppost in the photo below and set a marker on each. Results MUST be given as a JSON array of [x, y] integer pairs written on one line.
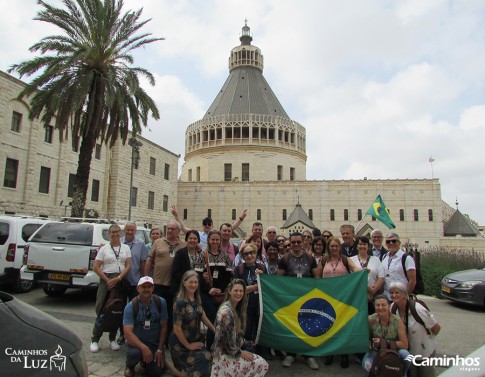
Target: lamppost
[[135, 158]]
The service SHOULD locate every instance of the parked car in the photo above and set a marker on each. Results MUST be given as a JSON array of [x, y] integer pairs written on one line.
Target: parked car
[[61, 255], [15, 231], [466, 287], [36, 343]]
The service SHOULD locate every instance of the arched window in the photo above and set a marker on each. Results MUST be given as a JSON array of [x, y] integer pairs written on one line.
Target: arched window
[[209, 213], [359, 214], [332, 215], [234, 214], [401, 215], [310, 214], [185, 214], [284, 214], [416, 215], [346, 215], [430, 214], [258, 214]]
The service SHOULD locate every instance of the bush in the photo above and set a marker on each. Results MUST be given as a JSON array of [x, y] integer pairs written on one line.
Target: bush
[[438, 262]]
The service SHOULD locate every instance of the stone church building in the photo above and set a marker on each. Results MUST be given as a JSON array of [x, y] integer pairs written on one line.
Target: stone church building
[[246, 152]]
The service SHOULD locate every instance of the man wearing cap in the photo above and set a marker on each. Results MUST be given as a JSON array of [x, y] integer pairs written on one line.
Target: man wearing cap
[[145, 334], [393, 267]]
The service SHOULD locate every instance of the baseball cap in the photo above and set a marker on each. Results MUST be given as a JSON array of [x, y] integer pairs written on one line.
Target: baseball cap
[[145, 279]]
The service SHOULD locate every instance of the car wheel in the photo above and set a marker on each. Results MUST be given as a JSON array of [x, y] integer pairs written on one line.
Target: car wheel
[[54, 290], [23, 286]]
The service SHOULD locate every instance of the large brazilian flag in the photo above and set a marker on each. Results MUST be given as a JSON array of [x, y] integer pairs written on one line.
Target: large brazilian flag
[[314, 317]]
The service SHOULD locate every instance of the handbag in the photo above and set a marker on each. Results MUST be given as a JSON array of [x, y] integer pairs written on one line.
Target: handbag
[[219, 298]]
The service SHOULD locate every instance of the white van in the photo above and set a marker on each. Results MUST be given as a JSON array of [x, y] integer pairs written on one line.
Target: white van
[[15, 231]]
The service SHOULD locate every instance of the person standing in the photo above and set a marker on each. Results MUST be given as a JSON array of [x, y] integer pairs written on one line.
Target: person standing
[[393, 266], [139, 255], [349, 247], [185, 342], [375, 276], [226, 244], [307, 240], [271, 232], [230, 357], [300, 264], [185, 259], [378, 250], [280, 240], [155, 234], [112, 264], [215, 272], [160, 259], [207, 225]]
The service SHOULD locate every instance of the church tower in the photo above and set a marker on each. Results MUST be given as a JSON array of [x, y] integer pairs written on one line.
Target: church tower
[[246, 134]]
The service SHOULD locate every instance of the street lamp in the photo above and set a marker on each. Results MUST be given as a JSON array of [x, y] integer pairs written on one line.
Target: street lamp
[[135, 157]]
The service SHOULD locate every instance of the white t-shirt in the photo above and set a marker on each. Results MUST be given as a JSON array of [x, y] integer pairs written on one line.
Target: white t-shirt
[[375, 267], [108, 255], [393, 270], [420, 343]]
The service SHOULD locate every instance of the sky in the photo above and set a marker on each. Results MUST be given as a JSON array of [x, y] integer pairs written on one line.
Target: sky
[[381, 86]]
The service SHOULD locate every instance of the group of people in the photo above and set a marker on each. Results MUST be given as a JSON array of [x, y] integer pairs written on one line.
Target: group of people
[[207, 284]]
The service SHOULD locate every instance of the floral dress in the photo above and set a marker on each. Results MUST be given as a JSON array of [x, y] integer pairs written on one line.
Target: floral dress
[[226, 349], [197, 363]]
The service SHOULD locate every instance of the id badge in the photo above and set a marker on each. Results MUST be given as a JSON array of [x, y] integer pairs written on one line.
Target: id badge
[[146, 326], [215, 274], [299, 275]]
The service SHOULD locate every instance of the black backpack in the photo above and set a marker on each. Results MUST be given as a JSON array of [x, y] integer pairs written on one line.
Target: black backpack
[[111, 315], [387, 362], [419, 287]]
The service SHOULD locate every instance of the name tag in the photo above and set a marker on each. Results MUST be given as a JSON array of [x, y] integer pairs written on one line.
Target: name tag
[[215, 274], [146, 325]]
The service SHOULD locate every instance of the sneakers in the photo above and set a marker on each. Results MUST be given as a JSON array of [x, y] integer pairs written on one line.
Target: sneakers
[[312, 363], [288, 361], [120, 340], [94, 347], [114, 346]]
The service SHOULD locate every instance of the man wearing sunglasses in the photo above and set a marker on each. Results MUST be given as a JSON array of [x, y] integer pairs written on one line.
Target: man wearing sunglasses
[[298, 263], [393, 267]]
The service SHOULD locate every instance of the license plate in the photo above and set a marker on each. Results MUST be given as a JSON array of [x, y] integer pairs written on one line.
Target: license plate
[[446, 289], [63, 277]]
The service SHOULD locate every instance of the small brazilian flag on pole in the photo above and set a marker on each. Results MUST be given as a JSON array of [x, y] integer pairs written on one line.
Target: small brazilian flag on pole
[[379, 210], [314, 317]]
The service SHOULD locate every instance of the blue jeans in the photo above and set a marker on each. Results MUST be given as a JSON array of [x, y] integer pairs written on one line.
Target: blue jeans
[[134, 356], [369, 358]]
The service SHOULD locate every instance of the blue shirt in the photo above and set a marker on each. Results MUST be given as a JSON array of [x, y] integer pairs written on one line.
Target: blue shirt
[[139, 254], [151, 335]]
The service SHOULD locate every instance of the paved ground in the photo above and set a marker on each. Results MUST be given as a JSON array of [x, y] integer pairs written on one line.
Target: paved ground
[[463, 331]]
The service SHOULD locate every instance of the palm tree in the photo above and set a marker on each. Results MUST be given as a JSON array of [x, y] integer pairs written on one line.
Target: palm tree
[[86, 83]]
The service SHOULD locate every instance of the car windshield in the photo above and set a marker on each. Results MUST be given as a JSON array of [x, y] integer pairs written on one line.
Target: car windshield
[[65, 233], [4, 231]]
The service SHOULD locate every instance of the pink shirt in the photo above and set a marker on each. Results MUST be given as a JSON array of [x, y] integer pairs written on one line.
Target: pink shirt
[[338, 269]]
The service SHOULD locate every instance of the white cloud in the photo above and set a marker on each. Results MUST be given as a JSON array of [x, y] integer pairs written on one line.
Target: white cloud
[[378, 85]]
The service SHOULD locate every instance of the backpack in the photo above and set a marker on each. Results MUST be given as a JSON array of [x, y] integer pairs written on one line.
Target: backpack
[[111, 315], [412, 307], [419, 287], [387, 362], [345, 261], [136, 305]]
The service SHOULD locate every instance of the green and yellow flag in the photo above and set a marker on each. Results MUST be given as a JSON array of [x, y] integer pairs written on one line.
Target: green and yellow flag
[[379, 210], [314, 317]]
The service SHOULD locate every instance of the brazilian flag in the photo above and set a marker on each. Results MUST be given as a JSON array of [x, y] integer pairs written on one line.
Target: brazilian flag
[[314, 317], [379, 210]]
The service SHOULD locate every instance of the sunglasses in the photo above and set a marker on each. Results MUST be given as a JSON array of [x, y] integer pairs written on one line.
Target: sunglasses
[[271, 232], [307, 236], [206, 224], [326, 236], [295, 242], [281, 241], [391, 241], [246, 254], [287, 246]]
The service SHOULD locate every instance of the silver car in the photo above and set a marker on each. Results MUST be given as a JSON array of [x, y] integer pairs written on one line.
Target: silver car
[[467, 287]]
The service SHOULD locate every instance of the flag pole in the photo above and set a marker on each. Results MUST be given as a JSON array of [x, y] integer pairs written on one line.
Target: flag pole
[[431, 160], [357, 226]]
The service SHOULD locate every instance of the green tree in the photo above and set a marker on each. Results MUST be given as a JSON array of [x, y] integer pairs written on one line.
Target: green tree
[[85, 81]]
